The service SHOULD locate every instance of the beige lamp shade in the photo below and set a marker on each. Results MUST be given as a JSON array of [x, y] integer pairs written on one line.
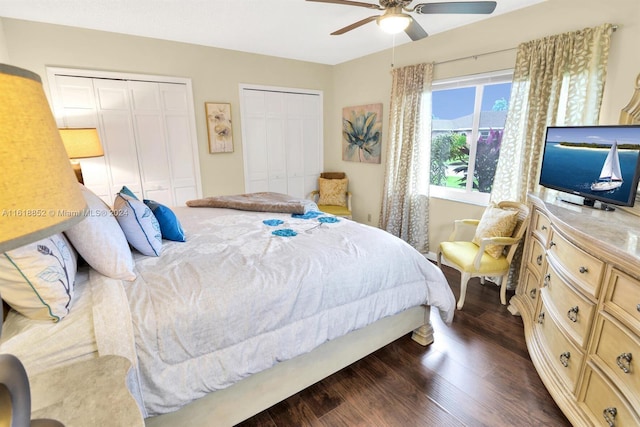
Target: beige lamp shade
[[39, 193], [81, 143]]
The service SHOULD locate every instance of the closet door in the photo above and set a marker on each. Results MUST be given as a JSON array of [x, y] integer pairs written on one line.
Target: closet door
[[282, 140], [76, 106], [183, 159], [117, 135], [151, 141], [147, 129]]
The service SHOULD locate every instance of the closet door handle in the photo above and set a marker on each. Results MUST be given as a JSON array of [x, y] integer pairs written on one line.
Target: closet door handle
[[572, 314], [624, 362], [564, 359], [609, 415]]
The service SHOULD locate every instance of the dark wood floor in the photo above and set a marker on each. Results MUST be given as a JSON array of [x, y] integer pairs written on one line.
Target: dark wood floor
[[476, 373]]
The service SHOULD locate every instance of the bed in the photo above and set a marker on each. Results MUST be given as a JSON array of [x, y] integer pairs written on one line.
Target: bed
[[251, 308]]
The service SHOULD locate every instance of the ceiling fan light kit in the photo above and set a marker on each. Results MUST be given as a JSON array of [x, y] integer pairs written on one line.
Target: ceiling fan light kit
[[393, 23], [394, 19]]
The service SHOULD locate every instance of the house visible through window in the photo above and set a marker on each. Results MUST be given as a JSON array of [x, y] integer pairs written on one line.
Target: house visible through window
[[469, 114]]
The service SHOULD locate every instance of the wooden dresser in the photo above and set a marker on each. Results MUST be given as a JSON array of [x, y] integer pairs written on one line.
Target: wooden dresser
[[579, 297]]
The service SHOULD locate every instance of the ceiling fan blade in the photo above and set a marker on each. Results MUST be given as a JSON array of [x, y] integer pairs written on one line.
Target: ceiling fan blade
[[470, 7], [415, 31], [354, 25], [351, 3]]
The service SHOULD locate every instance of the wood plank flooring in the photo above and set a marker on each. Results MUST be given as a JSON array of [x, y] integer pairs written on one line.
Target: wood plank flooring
[[476, 373]]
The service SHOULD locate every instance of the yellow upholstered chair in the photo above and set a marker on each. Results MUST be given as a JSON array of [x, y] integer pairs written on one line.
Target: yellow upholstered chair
[[332, 196], [491, 251]]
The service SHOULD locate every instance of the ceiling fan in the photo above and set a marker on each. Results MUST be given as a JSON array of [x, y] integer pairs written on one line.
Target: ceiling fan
[[394, 19]]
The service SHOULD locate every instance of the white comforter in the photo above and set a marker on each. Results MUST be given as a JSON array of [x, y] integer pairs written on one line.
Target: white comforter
[[235, 299]]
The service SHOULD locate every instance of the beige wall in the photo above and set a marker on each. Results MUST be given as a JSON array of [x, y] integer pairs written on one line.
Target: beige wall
[[4, 55], [367, 80], [216, 74]]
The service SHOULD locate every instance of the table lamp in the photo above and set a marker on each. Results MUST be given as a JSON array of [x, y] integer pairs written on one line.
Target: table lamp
[[81, 143], [39, 197]]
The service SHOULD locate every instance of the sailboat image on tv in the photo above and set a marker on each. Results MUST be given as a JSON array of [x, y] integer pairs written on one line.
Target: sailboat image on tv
[[610, 176]]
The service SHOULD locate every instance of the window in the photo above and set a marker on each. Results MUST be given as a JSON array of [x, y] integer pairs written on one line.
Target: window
[[466, 131]]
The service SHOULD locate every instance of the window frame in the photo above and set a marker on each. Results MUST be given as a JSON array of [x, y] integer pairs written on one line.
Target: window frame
[[479, 81]]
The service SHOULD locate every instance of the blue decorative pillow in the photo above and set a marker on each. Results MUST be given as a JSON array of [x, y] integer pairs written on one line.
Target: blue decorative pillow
[[125, 190], [169, 225], [140, 226]]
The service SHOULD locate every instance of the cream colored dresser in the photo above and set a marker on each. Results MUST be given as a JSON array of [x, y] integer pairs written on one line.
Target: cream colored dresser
[[579, 297]]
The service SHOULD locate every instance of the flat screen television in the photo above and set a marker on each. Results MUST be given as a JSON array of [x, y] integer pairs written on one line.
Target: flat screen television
[[599, 163]]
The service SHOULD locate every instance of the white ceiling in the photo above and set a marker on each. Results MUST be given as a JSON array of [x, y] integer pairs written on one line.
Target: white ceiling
[[294, 29]]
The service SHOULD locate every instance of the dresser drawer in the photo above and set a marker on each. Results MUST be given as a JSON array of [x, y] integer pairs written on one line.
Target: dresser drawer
[[531, 290], [617, 351], [574, 311], [540, 226], [536, 256], [604, 405], [565, 358], [581, 267], [623, 299]]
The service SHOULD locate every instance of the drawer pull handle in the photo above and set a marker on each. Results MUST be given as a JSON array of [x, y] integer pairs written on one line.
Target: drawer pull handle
[[638, 307], [539, 260], [583, 270], [541, 317], [564, 359], [624, 362], [543, 228], [552, 244], [532, 293], [572, 314], [547, 279], [609, 415]]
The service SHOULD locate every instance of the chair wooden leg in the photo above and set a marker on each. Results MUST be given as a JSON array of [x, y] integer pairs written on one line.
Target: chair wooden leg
[[464, 279], [503, 289]]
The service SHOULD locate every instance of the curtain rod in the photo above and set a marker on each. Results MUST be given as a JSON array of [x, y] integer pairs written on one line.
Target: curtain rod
[[615, 28]]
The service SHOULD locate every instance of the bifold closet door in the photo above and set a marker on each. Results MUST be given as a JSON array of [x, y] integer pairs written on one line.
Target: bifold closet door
[[146, 132], [102, 104], [282, 141]]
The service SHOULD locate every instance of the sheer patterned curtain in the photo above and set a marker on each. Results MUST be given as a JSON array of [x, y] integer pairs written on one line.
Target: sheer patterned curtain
[[405, 200], [557, 80]]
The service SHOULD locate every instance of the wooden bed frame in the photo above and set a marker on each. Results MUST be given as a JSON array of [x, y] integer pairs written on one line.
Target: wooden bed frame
[[262, 390]]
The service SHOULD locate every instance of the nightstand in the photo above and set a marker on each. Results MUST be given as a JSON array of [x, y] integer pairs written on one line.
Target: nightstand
[[87, 393]]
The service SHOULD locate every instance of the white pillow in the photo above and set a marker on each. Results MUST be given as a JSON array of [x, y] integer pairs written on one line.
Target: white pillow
[[37, 279], [100, 241], [140, 226]]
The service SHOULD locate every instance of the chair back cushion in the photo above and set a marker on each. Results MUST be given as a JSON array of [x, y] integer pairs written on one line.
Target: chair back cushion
[[496, 222], [333, 191]]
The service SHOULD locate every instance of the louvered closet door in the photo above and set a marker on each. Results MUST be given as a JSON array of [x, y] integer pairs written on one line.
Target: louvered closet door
[[282, 141]]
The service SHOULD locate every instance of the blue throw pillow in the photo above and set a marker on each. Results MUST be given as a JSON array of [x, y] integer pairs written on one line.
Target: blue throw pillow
[[125, 190], [140, 226], [169, 224]]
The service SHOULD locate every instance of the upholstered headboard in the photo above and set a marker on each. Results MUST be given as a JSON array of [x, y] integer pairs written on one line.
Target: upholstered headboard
[[631, 113]]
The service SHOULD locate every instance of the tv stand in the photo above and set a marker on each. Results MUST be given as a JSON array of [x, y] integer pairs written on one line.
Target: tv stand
[[589, 203]]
